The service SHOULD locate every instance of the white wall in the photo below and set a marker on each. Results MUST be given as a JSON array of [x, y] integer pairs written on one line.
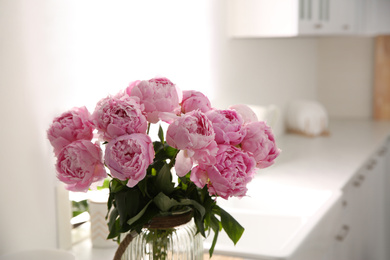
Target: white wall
[[27, 195], [345, 76]]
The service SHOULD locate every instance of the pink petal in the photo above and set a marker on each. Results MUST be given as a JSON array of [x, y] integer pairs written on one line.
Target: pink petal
[[183, 164]]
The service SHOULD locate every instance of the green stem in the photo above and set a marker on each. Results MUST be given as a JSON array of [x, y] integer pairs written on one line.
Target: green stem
[[147, 132]]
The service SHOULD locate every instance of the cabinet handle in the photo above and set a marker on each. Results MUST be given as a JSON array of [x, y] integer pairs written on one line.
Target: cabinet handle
[[345, 27], [343, 233], [371, 165], [383, 151], [358, 181], [318, 26]]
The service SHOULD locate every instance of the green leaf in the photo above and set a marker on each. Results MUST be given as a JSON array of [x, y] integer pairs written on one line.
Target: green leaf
[[199, 223], [196, 205], [133, 198], [232, 228], [120, 199], [113, 224], [116, 185], [113, 216], [164, 180], [170, 151], [139, 215], [216, 226], [150, 213], [143, 187], [110, 203], [164, 203], [161, 134], [215, 238], [115, 231], [158, 146], [163, 151]]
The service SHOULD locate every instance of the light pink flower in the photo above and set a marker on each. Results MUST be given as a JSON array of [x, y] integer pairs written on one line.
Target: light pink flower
[[193, 100], [119, 115], [157, 95], [230, 175], [260, 141], [227, 125], [247, 114], [70, 126], [79, 165], [129, 156], [192, 132]]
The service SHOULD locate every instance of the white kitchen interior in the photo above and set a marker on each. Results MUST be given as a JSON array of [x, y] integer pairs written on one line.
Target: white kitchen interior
[[325, 198]]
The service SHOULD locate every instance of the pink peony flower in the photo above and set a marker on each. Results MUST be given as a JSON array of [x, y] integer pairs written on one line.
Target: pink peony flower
[[70, 126], [119, 115], [247, 114], [230, 175], [79, 165], [260, 141], [157, 95], [193, 100], [227, 125], [193, 133], [129, 156]]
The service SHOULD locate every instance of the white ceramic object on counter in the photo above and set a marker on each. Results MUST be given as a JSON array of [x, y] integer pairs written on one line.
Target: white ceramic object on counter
[[270, 114], [98, 210], [307, 117]]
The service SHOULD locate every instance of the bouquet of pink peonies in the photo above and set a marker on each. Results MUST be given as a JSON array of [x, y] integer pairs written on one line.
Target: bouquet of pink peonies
[[214, 153]]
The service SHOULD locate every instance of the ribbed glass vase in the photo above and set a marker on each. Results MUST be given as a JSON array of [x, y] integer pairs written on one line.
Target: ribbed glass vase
[[167, 238]]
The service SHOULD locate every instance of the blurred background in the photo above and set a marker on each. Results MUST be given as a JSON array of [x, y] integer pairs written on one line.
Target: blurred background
[[55, 55]]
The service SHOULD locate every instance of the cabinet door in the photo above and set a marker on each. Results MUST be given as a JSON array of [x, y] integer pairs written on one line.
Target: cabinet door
[[315, 17], [309, 17], [265, 18], [361, 235], [373, 17], [341, 16], [349, 241], [386, 191], [343, 236]]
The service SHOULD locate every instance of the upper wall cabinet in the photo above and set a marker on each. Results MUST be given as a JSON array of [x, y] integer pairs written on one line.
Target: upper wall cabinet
[[373, 17], [285, 18]]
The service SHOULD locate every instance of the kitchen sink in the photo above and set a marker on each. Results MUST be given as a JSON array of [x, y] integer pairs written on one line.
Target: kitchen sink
[[278, 219]]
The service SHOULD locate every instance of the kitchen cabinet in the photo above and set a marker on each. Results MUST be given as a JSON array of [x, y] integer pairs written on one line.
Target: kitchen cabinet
[[386, 183], [361, 234], [264, 18], [373, 17]]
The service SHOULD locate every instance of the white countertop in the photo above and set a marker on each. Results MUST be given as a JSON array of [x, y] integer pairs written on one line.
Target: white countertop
[[326, 162]]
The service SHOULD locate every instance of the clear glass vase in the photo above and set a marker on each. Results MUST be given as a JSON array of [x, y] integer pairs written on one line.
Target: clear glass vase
[[167, 238]]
